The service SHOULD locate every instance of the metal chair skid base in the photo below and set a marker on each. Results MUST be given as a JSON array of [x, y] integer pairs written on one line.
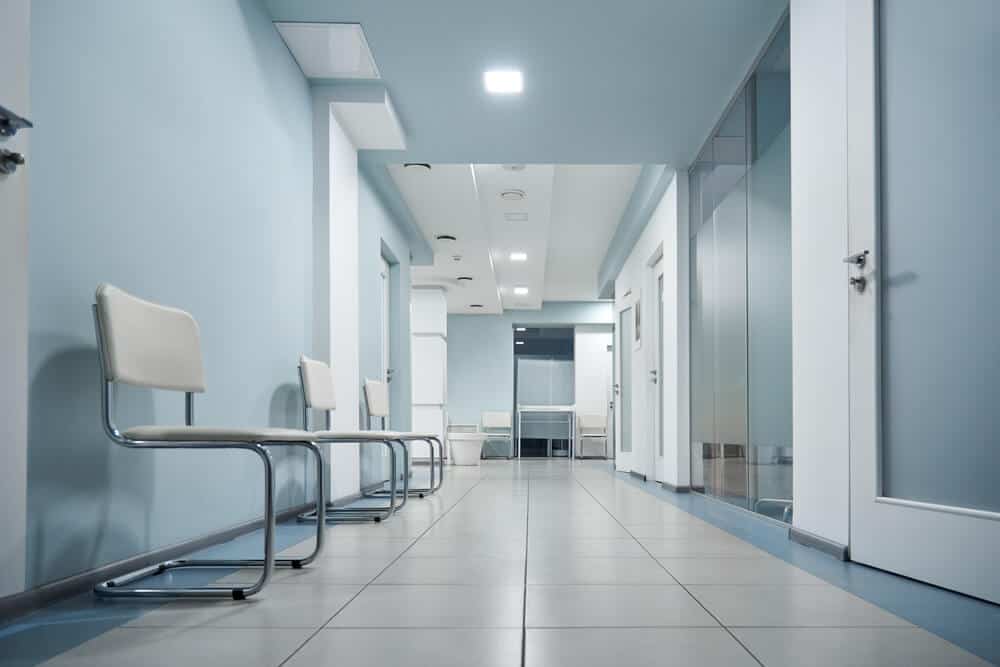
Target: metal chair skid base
[[405, 439], [118, 586], [334, 514]]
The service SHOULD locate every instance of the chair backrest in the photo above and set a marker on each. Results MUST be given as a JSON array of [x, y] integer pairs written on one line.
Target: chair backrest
[[317, 384], [377, 398], [593, 424], [498, 420], [147, 344]]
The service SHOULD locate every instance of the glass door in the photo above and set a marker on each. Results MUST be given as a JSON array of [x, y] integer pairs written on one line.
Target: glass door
[[923, 305]]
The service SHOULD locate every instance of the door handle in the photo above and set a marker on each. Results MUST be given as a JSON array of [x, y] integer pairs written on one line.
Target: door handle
[[653, 376], [858, 259], [388, 374]]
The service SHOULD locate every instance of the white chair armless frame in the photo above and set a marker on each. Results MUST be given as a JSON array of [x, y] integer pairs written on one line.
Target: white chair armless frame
[[150, 345], [316, 384]]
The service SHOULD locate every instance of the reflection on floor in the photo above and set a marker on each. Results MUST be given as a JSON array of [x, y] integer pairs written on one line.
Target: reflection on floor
[[538, 563]]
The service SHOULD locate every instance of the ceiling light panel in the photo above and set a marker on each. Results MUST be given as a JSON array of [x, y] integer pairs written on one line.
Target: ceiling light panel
[[521, 291], [503, 81], [330, 50], [518, 257], [515, 216]]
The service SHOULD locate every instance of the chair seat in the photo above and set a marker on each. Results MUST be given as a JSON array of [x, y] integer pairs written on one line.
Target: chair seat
[[214, 434], [459, 435], [357, 436]]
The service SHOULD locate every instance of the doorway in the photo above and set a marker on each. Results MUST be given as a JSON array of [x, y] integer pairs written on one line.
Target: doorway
[[623, 388], [924, 427], [544, 390]]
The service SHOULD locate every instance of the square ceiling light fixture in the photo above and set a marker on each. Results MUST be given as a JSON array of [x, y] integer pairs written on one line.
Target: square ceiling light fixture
[[329, 50], [503, 81], [519, 257], [521, 291]]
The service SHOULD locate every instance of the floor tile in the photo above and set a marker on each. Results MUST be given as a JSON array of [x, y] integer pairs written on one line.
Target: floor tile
[[434, 606], [614, 606], [322, 571], [169, 647], [764, 570], [634, 647], [568, 546], [716, 546], [467, 571], [277, 606], [417, 647], [567, 570], [857, 647], [342, 546], [789, 606], [467, 547]]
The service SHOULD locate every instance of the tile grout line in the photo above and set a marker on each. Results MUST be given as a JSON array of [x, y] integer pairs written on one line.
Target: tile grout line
[[643, 547], [524, 588], [379, 574]]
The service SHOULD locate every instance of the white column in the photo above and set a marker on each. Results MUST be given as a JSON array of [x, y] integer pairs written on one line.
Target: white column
[[14, 67], [429, 358], [336, 283]]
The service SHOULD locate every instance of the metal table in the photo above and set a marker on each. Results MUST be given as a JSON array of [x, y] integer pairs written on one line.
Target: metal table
[[568, 410]]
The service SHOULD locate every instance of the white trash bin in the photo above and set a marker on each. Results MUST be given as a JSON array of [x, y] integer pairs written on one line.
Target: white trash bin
[[466, 448]]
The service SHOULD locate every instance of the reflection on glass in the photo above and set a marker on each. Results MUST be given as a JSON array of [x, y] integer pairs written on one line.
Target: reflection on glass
[[741, 298]]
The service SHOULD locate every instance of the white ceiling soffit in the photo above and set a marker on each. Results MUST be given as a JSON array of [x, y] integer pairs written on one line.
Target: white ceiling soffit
[[443, 200], [329, 50], [369, 119], [563, 224], [588, 202]]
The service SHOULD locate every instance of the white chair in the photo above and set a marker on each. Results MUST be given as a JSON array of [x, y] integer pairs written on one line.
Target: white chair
[[377, 406], [150, 345], [465, 442], [498, 428], [316, 382], [592, 434]]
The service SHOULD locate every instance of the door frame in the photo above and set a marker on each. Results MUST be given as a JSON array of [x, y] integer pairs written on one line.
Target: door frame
[[655, 359], [623, 460], [916, 539]]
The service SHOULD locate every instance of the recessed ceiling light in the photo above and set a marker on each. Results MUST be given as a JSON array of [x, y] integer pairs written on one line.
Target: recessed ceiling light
[[520, 329], [514, 167], [519, 257], [515, 216], [475, 305], [521, 291], [417, 164], [464, 279], [503, 81], [456, 258], [445, 237], [518, 342], [513, 195]]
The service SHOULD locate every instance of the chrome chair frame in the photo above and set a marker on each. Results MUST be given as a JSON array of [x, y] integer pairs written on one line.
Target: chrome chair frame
[[117, 587], [333, 513]]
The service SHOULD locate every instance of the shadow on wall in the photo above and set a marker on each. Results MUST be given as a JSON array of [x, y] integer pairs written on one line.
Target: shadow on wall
[[294, 471], [84, 492]]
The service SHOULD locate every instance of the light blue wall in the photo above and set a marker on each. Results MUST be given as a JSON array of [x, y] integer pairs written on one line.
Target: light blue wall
[[381, 235], [481, 353], [173, 157]]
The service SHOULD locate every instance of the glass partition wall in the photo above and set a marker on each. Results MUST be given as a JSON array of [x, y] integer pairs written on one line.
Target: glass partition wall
[[740, 302]]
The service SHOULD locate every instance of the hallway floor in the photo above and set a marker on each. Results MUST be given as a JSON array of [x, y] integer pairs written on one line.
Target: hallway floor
[[541, 563]]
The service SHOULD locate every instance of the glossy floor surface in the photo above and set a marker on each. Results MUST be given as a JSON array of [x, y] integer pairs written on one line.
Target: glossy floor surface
[[542, 563]]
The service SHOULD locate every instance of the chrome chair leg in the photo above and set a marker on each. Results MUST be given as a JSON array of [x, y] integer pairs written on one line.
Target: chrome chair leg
[[117, 587], [335, 514]]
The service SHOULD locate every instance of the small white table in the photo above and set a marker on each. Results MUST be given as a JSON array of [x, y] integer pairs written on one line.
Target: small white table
[[568, 410]]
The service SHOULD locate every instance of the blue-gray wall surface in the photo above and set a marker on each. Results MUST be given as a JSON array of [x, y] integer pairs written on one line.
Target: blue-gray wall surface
[[173, 157], [381, 235], [481, 353]]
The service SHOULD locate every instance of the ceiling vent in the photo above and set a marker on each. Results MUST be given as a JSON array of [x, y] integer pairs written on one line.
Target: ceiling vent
[[515, 216], [329, 50], [513, 195], [514, 167], [475, 305]]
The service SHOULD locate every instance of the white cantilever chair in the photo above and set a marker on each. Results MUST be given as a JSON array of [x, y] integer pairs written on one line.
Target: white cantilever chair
[[497, 427], [316, 381], [377, 406], [149, 345], [592, 432]]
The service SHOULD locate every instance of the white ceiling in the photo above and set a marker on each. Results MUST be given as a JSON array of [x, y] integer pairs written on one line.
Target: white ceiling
[[571, 214]]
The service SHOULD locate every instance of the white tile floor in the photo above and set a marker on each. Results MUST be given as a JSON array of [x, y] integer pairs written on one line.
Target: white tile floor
[[539, 564]]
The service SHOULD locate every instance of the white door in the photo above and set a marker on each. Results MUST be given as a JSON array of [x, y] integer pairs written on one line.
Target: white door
[[624, 334], [923, 160], [656, 376], [385, 327], [14, 64]]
